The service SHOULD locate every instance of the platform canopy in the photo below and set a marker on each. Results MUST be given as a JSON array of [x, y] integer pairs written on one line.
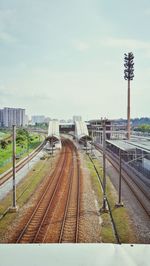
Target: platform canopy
[[81, 131], [53, 131], [121, 144]]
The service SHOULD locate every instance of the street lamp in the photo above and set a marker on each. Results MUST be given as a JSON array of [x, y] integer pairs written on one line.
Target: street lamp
[[128, 75]]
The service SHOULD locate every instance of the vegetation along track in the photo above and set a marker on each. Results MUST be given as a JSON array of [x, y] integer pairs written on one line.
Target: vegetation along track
[[108, 204], [132, 181], [8, 175], [57, 210]]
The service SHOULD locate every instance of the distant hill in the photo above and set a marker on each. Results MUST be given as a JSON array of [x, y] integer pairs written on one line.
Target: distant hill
[[140, 121], [136, 121]]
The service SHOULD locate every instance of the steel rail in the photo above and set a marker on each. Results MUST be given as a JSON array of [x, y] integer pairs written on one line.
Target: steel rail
[[67, 201], [41, 200], [127, 180], [20, 165], [76, 163], [78, 198]]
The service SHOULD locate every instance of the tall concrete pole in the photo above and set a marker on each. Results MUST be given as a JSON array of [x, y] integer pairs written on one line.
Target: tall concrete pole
[[14, 166], [104, 206], [128, 75], [128, 112]]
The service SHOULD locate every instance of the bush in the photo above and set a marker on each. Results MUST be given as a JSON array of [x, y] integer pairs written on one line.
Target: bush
[[3, 144]]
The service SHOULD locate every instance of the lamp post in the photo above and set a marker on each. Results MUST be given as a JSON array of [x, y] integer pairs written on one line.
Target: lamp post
[[128, 75]]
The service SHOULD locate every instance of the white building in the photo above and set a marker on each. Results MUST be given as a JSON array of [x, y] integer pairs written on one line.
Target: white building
[[12, 116]]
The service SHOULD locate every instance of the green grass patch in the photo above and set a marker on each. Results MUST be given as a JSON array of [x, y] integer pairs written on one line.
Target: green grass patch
[[107, 234], [120, 215], [4, 134], [22, 151]]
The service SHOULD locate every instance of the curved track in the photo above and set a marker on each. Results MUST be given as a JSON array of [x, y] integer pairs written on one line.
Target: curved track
[[55, 217]]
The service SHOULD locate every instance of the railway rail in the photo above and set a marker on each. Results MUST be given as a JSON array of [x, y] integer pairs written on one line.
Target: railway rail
[[135, 185], [70, 224], [57, 211], [4, 177]]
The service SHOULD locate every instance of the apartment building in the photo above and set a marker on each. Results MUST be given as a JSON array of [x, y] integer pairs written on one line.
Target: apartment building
[[12, 116]]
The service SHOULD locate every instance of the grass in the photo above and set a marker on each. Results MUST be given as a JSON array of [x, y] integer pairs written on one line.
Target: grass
[[6, 154], [106, 227], [120, 215], [4, 135], [24, 191]]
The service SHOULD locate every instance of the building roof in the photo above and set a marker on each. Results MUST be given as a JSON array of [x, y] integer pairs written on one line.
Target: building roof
[[128, 145], [121, 144]]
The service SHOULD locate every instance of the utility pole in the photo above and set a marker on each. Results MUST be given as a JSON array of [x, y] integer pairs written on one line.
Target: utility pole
[[92, 142], [120, 204], [28, 148], [86, 144], [104, 206], [128, 75], [14, 207], [52, 144]]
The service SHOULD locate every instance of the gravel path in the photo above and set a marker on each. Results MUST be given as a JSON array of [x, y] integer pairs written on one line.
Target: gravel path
[[90, 221]]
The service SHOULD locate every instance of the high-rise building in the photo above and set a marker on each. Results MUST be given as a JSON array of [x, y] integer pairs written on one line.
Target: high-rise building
[[13, 116], [37, 119]]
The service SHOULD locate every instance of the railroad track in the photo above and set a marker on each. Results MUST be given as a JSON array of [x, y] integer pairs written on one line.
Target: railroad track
[[134, 184], [57, 209], [19, 166], [70, 225]]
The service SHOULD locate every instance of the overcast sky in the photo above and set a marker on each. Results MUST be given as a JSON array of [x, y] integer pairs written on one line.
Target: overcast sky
[[65, 57]]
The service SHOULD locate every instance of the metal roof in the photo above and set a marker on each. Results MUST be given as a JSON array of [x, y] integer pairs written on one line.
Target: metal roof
[[142, 144], [121, 144], [128, 145]]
